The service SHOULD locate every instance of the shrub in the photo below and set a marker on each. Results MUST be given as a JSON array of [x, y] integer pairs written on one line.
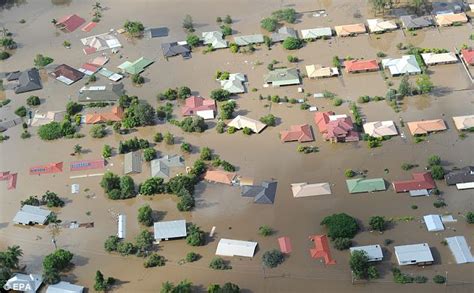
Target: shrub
[[193, 40], [363, 99], [340, 226], [33, 101], [414, 207], [4, 55], [292, 59], [126, 248], [377, 223], [247, 131], [234, 48], [434, 160], [269, 24], [206, 154], [381, 54], [154, 260], [93, 78], [231, 130], [337, 102], [407, 166], [107, 151], [401, 278], [217, 263], [195, 236], [192, 257], [439, 204], [437, 172], [102, 284], [111, 243], [98, 131], [420, 279], [265, 230], [188, 23], [424, 84], [360, 266], [220, 95], [168, 138], [133, 144], [470, 217], [349, 173], [50, 131], [41, 61], [292, 43], [145, 215], [305, 106], [438, 279], [138, 79], [158, 137], [133, 28], [272, 258], [226, 30], [227, 109], [149, 154], [342, 243], [21, 111], [269, 120], [25, 134]]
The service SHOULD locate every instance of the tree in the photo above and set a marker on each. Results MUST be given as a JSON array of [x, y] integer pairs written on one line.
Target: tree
[[3, 56], [378, 5], [269, 120], [288, 15], [127, 187], [184, 92], [186, 202], [206, 154], [268, 41], [269, 24], [126, 248], [110, 181], [359, 264], [292, 43], [349, 173], [272, 258], [226, 30], [41, 61], [7, 43], [247, 131], [424, 84], [340, 226], [234, 48], [199, 168], [145, 215], [33, 101], [192, 257], [220, 95], [342, 243], [158, 137], [193, 40], [434, 160], [144, 241], [404, 89], [193, 124], [154, 260], [50, 131], [195, 236], [21, 111], [77, 149], [417, 4], [185, 147], [133, 28], [10, 258], [54, 263], [169, 138], [153, 185], [265, 230], [437, 172], [227, 109], [111, 243], [138, 79], [228, 19], [377, 223], [106, 151], [149, 154], [470, 217], [51, 200], [72, 108], [438, 279], [102, 284], [217, 263], [188, 24], [98, 131], [139, 114]]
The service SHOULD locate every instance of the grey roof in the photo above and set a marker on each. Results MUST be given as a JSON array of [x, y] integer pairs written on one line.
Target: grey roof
[[262, 194], [34, 281], [413, 254], [170, 229], [157, 32], [282, 76], [464, 175], [28, 81], [161, 167], [443, 7], [31, 215], [235, 83], [283, 33], [460, 249], [10, 123], [13, 75], [64, 287], [248, 39], [374, 252], [173, 49], [215, 39], [414, 22], [132, 162], [111, 92]]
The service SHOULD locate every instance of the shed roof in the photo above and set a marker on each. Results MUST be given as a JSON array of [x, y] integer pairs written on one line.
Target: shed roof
[[374, 252], [64, 287], [156, 32], [468, 56], [460, 249], [365, 185], [31, 214], [413, 254], [132, 162], [230, 247], [464, 122], [170, 229], [305, 189], [285, 244], [433, 223]]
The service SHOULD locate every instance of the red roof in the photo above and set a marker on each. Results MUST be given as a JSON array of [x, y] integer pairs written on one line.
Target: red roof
[[285, 244], [361, 65], [196, 103], [421, 180], [87, 165], [301, 133], [336, 129], [89, 50], [47, 169], [321, 119], [90, 67], [468, 56], [321, 249], [68, 72], [4, 175], [70, 22], [12, 181], [116, 114], [88, 27]]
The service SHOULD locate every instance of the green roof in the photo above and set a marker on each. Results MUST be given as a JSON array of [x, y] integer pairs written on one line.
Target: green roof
[[137, 66], [282, 76], [365, 185]]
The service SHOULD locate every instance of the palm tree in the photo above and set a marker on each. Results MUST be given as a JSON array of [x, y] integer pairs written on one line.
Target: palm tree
[[14, 252], [77, 149]]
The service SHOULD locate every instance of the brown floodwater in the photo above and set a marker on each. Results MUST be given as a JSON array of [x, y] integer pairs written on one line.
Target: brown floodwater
[[259, 156]]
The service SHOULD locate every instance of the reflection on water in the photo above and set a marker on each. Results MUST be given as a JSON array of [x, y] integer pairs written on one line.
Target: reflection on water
[[61, 2], [8, 4]]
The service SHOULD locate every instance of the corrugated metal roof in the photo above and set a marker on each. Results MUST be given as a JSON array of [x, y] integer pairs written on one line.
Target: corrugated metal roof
[[30, 215], [132, 162], [374, 252], [230, 247], [413, 254], [460, 249], [170, 229]]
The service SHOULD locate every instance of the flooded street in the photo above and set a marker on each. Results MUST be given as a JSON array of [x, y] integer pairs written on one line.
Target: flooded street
[[260, 156]]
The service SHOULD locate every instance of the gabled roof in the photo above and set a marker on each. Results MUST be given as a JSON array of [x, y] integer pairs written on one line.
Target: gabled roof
[[230, 247], [433, 223], [415, 22], [137, 66], [460, 249], [450, 18], [377, 25], [215, 39], [248, 39], [374, 252], [115, 114], [464, 175], [66, 74], [317, 71], [301, 133], [34, 280], [413, 254], [282, 76], [432, 58], [361, 65], [359, 185], [110, 92], [47, 168], [193, 104], [220, 176], [157, 32], [285, 244], [420, 181], [305, 189], [100, 42], [407, 64], [31, 215], [426, 126], [283, 33], [70, 22], [464, 122], [235, 83], [28, 80], [468, 56], [64, 287], [132, 162], [335, 127], [173, 49], [314, 33], [240, 122], [161, 167], [265, 193], [321, 249], [380, 128], [170, 229], [87, 165], [350, 29]]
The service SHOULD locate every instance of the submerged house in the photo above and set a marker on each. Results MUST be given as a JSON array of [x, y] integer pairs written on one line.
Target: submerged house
[[241, 122], [248, 39], [214, 39], [460, 249], [440, 58], [361, 65], [319, 71], [300, 133], [64, 287], [380, 128], [377, 25], [66, 74], [219, 176], [374, 252], [101, 93], [156, 32], [30, 283], [336, 128], [316, 33], [433, 223], [462, 178], [413, 22], [407, 64], [28, 80], [350, 30], [361, 185], [234, 84], [132, 162], [114, 115], [135, 67], [418, 185], [162, 167], [419, 254], [449, 19], [99, 43], [166, 230], [283, 33], [264, 193], [282, 77], [196, 105], [230, 247], [48, 117], [174, 49], [464, 122], [426, 126], [304, 189], [69, 23], [31, 215]]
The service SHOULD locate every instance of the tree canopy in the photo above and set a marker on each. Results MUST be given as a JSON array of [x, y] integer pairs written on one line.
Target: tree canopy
[[340, 226]]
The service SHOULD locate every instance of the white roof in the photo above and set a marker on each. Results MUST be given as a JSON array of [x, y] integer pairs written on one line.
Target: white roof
[[467, 185], [206, 114], [315, 71], [403, 65], [380, 25], [31, 282], [374, 252], [64, 287], [45, 118], [336, 117], [31, 214], [432, 58], [215, 39], [433, 223], [460, 249], [230, 247], [380, 128], [240, 122], [170, 229], [464, 122], [305, 189], [235, 83], [413, 254], [314, 33], [122, 226]]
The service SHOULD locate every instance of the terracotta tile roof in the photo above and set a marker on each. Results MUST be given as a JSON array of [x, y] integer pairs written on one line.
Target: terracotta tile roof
[[350, 29], [336, 128], [301, 133], [420, 181], [361, 65], [321, 249], [116, 114], [285, 244], [196, 103], [468, 56], [321, 119], [220, 176], [70, 22], [424, 127]]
